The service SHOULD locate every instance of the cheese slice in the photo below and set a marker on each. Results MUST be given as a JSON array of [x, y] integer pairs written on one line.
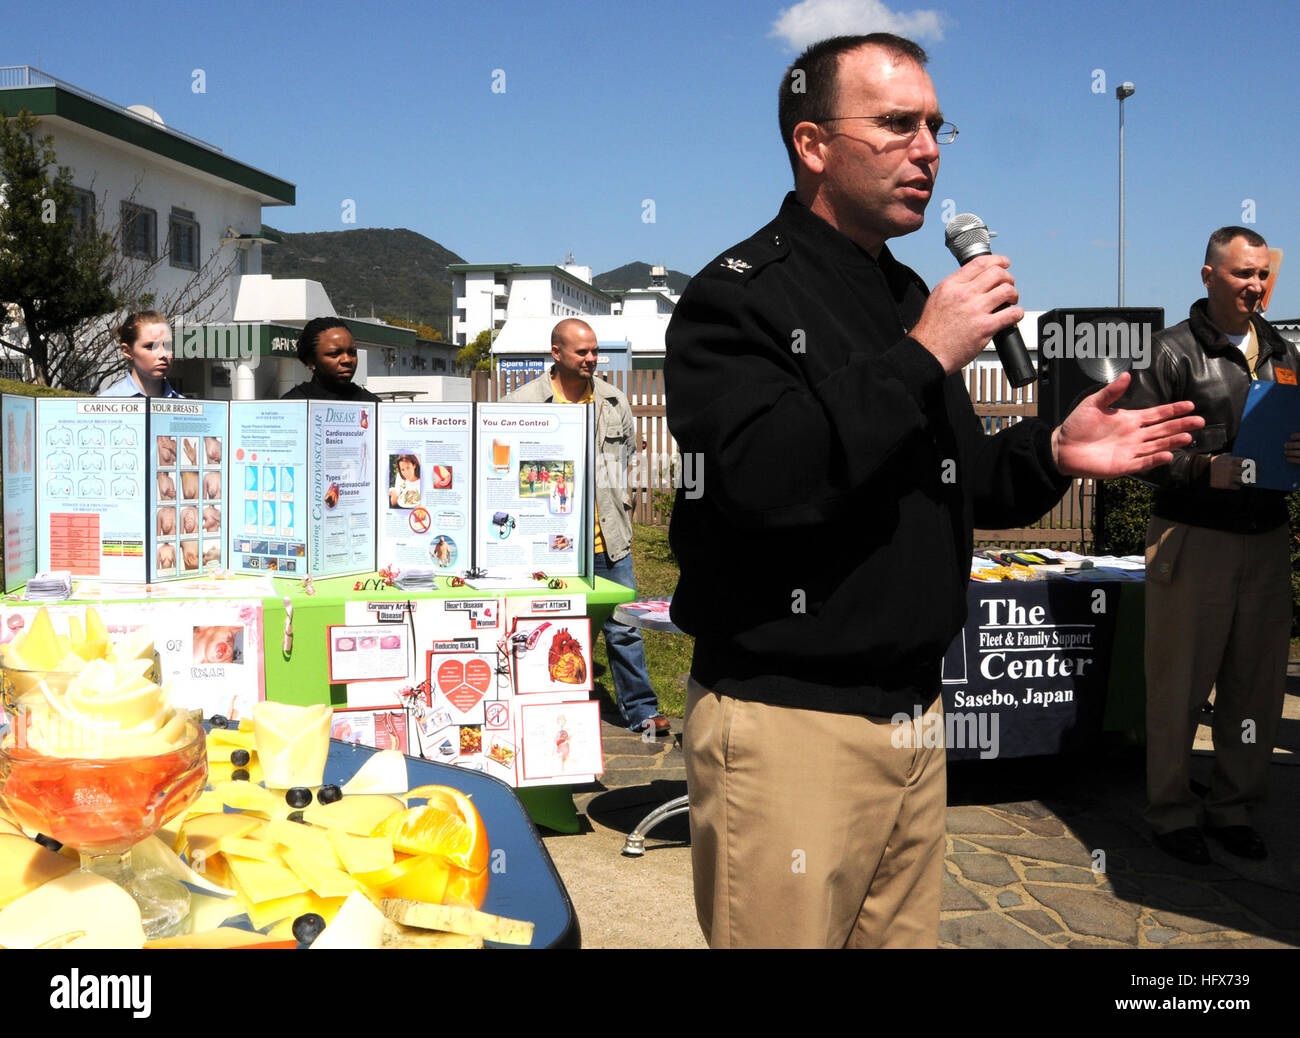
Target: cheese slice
[[223, 771], [259, 881], [223, 937], [209, 913], [247, 847], [25, 865], [357, 815], [232, 740], [362, 853], [321, 879], [79, 901], [245, 796], [384, 772], [268, 913], [358, 924], [201, 835], [306, 839]]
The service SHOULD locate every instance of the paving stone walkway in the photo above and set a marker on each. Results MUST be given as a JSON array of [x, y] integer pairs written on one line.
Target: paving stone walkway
[[1041, 853]]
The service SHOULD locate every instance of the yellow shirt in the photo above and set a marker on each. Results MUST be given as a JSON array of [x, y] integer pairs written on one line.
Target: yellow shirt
[[598, 542]]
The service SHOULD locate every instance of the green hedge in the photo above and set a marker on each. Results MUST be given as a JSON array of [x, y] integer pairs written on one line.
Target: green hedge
[[1124, 509], [8, 385]]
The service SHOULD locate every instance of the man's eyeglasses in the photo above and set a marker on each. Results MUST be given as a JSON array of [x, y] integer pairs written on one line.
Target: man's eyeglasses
[[905, 126]]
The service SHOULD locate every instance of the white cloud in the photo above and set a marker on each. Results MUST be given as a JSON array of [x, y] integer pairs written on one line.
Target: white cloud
[[812, 20]]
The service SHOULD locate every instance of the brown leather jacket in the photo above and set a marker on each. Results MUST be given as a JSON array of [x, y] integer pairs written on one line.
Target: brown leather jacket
[[1195, 361]]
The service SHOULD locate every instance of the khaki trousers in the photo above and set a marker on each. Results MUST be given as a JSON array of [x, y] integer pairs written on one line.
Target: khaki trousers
[[1218, 613], [811, 829]]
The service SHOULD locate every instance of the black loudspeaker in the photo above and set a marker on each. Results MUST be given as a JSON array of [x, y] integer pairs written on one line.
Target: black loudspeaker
[[1081, 349]]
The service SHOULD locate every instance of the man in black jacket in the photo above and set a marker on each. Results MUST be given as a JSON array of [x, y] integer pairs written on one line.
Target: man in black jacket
[[1218, 594], [824, 568]]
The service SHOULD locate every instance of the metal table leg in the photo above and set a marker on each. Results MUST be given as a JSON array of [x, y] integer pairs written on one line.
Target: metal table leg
[[634, 845]]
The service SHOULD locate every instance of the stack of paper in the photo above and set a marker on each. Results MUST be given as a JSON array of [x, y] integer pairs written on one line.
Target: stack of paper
[[417, 578], [49, 587]]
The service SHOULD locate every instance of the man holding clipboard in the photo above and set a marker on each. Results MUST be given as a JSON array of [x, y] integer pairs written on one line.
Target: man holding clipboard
[[1218, 594]]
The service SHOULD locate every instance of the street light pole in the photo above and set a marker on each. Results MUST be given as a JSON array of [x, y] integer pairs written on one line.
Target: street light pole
[[1122, 91]]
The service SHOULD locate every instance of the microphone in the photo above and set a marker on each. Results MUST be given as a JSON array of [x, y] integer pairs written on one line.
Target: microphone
[[968, 237]]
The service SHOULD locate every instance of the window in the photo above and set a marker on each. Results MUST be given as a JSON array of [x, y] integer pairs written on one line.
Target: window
[[139, 231], [83, 211], [183, 233]]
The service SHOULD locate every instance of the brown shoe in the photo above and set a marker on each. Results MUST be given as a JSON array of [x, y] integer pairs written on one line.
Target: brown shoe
[[662, 727]]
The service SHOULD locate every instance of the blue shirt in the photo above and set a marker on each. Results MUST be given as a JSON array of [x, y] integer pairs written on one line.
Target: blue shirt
[[128, 387]]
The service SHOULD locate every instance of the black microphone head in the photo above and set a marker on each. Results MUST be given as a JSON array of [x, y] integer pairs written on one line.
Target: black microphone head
[[967, 237]]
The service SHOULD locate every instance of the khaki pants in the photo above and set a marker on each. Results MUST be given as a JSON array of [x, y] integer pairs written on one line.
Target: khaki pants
[[1218, 613], [811, 829]]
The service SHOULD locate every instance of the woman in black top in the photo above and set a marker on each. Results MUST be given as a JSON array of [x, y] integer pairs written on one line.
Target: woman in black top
[[327, 348]]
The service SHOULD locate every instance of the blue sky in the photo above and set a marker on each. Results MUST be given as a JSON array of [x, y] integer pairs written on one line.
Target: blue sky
[[606, 105]]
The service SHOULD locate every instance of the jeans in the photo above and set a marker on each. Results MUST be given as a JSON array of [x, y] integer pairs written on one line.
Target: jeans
[[636, 697]]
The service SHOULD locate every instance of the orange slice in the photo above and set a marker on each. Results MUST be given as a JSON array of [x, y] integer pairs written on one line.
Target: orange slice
[[466, 888], [421, 878], [458, 840], [473, 857]]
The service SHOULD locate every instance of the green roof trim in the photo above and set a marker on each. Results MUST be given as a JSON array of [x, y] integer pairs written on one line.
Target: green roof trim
[[379, 334], [58, 102]]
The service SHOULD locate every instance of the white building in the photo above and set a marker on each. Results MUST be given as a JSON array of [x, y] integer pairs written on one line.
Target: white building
[[187, 207], [487, 295], [170, 195], [521, 304]]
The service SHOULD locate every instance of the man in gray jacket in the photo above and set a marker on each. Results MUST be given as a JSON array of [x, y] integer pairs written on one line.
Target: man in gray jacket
[[571, 381]]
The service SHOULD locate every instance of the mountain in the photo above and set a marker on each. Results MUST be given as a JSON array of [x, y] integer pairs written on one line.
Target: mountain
[[637, 275], [394, 273]]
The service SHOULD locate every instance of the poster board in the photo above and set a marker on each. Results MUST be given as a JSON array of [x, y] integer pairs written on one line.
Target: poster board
[[188, 499], [18, 425], [424, 497], [341, 476], [268, 487], [533, 485], [91, 503]]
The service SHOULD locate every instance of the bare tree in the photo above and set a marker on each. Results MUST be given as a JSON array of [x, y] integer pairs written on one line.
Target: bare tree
[[72, 285], [98, 360]]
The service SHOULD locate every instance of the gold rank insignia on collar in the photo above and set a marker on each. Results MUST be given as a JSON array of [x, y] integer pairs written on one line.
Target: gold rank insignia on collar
[[738, 265]]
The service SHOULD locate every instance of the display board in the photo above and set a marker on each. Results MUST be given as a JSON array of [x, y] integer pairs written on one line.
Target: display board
[[533, 487], [18, 419], [268, 483], [425, 486], [137, 489], [341, 468], [91, 504], [472, 664], [188, 499]]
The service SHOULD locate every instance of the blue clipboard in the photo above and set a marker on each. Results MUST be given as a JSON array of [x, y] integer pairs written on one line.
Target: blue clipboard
[[1272, 414]]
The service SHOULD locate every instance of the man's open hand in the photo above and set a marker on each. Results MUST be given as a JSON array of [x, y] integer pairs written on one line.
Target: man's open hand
[[1101, 441]]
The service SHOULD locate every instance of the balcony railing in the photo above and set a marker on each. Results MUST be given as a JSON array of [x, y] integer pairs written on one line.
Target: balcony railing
[[16, 77]]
